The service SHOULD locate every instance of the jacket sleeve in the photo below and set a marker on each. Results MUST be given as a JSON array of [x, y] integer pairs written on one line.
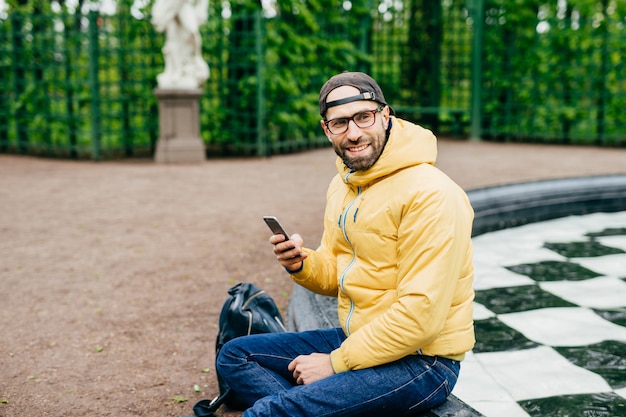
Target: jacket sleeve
[[319, 270], [318, 273], [434, 242]]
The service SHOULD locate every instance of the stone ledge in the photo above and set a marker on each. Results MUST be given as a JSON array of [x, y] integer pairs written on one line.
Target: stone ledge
[[495, 208], [513, 205]]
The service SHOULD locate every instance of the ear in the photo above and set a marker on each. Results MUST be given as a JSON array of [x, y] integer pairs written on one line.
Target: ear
[[386, 113], [325, 129]]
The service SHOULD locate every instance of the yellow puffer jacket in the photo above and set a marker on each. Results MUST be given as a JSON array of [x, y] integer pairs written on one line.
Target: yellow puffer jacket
[[397, 253]]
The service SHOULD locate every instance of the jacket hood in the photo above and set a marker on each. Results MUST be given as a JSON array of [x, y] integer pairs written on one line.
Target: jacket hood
[[408, 145]]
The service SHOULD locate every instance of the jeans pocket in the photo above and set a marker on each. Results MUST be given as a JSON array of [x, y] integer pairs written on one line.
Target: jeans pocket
[[449, 369]]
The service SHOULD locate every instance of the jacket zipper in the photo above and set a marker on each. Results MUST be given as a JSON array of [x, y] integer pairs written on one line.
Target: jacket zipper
[[343, 218]]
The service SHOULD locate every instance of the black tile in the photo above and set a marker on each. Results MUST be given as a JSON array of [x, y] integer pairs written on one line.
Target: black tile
[[607, 359], [581, 249], [553, 271], [521, 298], [619, 231], [494, 336], [617, 316], [606, 404]]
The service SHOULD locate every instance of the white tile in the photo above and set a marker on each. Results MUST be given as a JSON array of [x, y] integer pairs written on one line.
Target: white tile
[[561, 229], [507, 253], [510, 247], [475, 384], [569, 228], [610, 265], [478, 389], [529, 236], [621, 392], [564, 326], [487, 277], [618, 242], [482, 313], [596, 222], [538, 373], [601, 292]]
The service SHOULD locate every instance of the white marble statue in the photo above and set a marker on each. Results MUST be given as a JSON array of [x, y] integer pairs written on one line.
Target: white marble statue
[[181, 20]]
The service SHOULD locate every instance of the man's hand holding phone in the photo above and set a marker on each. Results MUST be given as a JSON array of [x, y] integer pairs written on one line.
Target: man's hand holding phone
[[288, 249]]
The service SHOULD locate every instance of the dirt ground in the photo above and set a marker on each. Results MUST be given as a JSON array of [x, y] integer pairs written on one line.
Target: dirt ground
[[112, 274]]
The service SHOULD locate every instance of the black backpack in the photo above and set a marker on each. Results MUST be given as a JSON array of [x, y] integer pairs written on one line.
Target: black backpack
[[247, 310]]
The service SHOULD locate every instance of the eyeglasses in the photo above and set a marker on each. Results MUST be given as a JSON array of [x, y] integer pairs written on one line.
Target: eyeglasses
[[362, 119]]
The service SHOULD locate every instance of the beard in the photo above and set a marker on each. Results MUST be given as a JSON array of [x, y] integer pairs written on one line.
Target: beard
[[364, 162]]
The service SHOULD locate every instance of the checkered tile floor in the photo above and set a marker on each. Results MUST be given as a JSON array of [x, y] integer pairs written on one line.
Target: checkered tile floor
[[550, 317]]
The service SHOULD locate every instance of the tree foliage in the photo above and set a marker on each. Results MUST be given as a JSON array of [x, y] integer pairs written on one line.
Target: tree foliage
[[550, 69]]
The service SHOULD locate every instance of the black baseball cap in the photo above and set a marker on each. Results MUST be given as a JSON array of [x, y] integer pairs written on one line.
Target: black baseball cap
[[369, 90]]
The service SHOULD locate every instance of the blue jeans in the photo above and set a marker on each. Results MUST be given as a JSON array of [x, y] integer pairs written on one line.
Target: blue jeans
[[255, 367]]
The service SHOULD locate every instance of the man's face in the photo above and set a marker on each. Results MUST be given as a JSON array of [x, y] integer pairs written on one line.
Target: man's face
[[359, 148]]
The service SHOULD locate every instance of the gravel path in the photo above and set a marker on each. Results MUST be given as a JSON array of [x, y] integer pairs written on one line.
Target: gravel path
[[113, 274]]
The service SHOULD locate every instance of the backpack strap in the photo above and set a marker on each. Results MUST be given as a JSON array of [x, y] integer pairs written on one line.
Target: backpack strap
[[206, 408]]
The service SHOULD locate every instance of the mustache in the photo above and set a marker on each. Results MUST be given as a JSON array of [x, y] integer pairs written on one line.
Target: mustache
[[355, 144]]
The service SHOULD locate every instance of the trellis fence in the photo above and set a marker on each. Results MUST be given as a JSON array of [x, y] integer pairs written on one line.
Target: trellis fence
[[80, 85]]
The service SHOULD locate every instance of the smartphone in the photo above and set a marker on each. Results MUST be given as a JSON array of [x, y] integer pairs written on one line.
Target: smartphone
[[275, 226]]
